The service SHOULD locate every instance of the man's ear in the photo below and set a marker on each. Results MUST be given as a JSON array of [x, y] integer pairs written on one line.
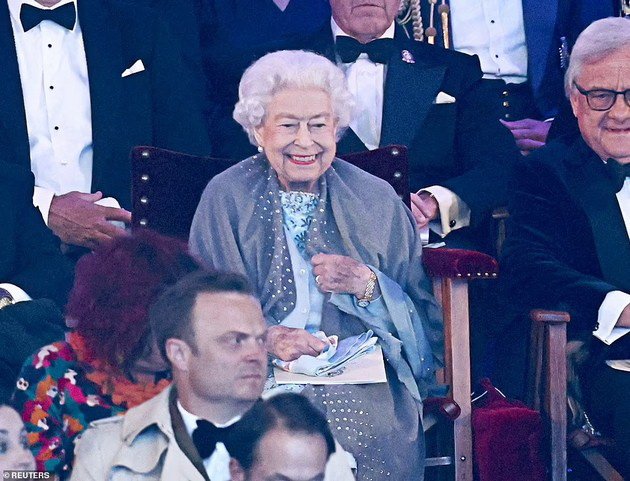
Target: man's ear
[[236, 471], [178, 353]]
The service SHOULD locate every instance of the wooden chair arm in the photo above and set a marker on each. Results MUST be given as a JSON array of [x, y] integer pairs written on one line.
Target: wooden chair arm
[[459, 263], [547, 378], [451, 270], [549, 317]]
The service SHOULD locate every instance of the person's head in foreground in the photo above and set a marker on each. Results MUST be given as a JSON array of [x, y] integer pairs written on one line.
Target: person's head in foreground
[[211, 329], [294, 105], [14, 451], [109, 303], [597, 83], [281, 439]]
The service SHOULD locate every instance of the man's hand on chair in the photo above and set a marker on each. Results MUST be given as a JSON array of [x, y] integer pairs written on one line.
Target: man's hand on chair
[[76, 219], [424, 208]]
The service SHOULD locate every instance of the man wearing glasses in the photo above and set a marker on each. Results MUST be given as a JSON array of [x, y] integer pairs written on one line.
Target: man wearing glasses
[[568, 245]]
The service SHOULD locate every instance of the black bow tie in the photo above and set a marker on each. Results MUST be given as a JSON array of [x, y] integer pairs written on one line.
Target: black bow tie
[[379, 50], [31, 16], [207, 435], [617, 172]]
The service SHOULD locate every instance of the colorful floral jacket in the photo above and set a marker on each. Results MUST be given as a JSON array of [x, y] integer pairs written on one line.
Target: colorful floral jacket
[[57, 402]]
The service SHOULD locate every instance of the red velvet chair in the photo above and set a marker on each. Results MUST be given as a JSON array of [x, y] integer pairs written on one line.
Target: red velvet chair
[[451, 271]]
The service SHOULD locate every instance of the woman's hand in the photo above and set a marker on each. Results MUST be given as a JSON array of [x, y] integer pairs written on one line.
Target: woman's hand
[[288, 343], [340, 274]]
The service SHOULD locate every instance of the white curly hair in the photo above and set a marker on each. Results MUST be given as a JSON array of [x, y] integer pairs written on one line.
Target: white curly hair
[[600, 39], [290, 69]]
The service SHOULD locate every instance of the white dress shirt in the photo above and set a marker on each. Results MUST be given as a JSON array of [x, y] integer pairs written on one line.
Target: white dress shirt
[[54, 77], [218, 465], [366, 81], [494, 31], [616, 301]]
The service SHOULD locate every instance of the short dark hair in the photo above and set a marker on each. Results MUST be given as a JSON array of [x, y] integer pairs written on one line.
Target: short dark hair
[[170, 315], [291, 412]]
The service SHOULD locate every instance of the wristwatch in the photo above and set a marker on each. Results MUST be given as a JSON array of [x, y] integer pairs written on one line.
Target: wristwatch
[[6, 299], [368, 295]]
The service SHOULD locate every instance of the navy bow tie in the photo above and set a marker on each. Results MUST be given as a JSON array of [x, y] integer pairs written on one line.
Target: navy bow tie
[[207, 435], [617, 172], [379, 50], [31, 16]]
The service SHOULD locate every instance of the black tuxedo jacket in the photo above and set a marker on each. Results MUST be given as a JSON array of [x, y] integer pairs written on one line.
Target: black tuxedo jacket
[[29, 253], [456, 145], [153, 107], [567, 244]]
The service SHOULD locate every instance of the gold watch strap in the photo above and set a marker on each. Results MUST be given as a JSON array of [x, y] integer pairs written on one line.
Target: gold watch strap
[[368, 295]]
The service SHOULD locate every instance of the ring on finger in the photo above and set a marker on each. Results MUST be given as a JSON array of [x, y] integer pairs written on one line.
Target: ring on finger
[[317, 278]]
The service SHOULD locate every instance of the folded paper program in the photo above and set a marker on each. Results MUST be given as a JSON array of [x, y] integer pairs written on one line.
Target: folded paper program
[[335, 354]]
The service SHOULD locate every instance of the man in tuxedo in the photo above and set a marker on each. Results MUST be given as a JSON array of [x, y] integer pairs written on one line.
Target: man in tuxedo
[[523, 47], [212, 331], [426, 98], [84, 81], [34, 276], [568, 244]]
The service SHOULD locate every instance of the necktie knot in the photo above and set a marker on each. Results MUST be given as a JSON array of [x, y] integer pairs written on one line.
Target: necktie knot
[[617, 172], [378, 51], [207, 435], [31, 16]]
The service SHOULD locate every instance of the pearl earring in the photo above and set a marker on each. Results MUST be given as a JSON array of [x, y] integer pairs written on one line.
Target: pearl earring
[[260, 149]]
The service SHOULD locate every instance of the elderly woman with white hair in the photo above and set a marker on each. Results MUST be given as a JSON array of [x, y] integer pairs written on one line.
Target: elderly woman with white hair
[[328, 247]]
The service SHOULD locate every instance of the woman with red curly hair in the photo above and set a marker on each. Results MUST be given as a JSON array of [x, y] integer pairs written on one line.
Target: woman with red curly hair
[[110, 362]]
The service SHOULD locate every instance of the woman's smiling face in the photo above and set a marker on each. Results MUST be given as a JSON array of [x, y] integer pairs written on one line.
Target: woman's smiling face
[[298, 136]]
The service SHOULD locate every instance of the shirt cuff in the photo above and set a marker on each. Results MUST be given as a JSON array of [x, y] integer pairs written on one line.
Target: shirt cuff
[[16, 292], [454, 212], [608, 315], [42, 198]]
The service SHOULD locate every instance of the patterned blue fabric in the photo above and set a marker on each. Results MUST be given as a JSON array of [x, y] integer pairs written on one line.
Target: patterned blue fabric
[[297, 210]]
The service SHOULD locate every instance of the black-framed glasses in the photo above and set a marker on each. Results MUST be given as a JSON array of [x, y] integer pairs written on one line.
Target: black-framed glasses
[[602, 99]]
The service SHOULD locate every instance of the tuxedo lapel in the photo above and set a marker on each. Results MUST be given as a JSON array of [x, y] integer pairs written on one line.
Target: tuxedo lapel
[[105, 64], [592, 189], [12, 114], [410, 89]]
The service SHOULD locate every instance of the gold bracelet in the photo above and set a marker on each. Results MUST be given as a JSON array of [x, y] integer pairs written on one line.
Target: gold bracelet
[[368, 295]]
